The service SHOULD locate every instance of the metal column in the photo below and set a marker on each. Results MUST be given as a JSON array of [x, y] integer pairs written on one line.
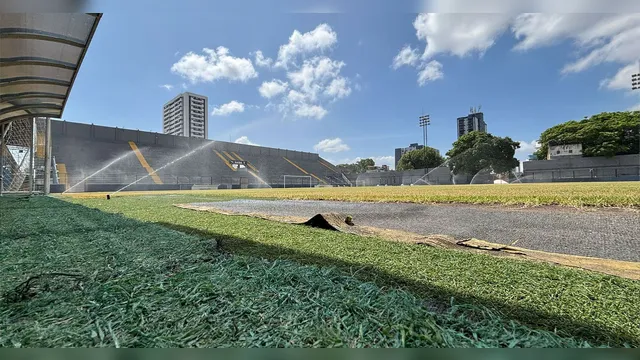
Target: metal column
[[3, 133], [47, 157], [32, 154]]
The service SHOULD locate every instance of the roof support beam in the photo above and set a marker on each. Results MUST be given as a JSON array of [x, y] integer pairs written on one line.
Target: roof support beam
[[33, 60], [30, 94], [27, 116], [29, 107], [21, 33], [33, 80]]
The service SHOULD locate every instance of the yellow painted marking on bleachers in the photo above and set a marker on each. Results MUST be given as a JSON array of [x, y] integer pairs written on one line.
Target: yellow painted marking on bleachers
[[62, 175], [327, 166], [229, 155], [248, 163], [297, 167], [303, 170], [317, 178], [145, 164], [224, 159], [256, 176]]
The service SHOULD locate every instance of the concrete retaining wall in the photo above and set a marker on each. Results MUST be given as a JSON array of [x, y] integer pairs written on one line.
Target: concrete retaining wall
[[582, 162], [618, 168], [436, 176]]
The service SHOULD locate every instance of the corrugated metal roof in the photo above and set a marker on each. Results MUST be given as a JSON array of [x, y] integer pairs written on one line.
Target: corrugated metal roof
[[40, 55]]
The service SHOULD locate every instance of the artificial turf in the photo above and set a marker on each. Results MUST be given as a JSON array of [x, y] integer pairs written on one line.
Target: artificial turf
[[75, 276], [600, 308]]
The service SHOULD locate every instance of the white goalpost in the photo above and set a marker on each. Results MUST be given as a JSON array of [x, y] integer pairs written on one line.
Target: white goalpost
[[296, 176]]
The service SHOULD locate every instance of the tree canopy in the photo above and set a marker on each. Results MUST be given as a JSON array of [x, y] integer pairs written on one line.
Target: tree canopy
[[426, 157], [475, 151], [358, 167], [605, 134]]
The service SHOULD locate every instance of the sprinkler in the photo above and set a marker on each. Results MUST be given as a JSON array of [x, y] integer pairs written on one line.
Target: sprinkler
[[108, 197], [349, 220]]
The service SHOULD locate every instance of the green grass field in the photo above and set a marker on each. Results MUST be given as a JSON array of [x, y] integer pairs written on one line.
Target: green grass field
[[601, 194], [145, 273], [74, 276]]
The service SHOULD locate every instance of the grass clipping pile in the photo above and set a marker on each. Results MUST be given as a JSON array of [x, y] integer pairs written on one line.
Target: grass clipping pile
[[344, 223]]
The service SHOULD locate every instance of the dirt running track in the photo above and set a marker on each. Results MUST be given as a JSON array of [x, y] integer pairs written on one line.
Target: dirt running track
[[603, 233]]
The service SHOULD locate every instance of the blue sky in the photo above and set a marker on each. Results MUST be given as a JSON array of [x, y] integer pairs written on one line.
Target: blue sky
[[336, 87]]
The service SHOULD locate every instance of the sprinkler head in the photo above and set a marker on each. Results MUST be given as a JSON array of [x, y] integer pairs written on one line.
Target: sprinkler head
[[349, 220], [108, 197]]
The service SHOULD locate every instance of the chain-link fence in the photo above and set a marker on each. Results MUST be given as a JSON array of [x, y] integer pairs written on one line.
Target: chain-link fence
[[22, 156]]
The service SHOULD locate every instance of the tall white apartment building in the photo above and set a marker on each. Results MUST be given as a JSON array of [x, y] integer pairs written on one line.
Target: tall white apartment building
[[186, 115]]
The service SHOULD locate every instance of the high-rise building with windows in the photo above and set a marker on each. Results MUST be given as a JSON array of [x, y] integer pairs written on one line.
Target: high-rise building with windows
[[471, 122], [186, 115], [402, 151]]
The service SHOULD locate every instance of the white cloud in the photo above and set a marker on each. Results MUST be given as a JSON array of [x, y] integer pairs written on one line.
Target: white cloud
[[319, 39], [245, 140], [331, 146], [537, 29], [538, 6], [406, 56], [262, 61], [622, 79], [228, 108], [314, 75], [317, 81], [598, 37], [621, 48], [601, 38], [385, 160], [269, 89], [184, 86], [295, 96], [176, 53], [167, 86], [214, 65], [379, 160], [310, 111], [459, 34], [313, 79], [634, 108], [430, 71], [338, 88], [528, 147]]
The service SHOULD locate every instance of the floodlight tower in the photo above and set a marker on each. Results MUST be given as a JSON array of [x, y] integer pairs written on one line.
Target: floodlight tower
[[424, 121], [635, 79]]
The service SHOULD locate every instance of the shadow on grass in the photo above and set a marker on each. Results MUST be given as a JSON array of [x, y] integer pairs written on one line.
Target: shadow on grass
[[437, 296], [433, 293]]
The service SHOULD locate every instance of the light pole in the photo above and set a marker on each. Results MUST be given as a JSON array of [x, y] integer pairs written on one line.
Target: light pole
[[424, 122], [635, 79]]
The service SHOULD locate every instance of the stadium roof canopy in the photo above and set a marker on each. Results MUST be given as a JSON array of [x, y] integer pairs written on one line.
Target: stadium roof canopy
[[40, 55]]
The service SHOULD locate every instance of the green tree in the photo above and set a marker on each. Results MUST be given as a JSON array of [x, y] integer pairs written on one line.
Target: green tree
[[475, 151], [348, 168], [364, 164], [358, 167], [426, 157], [605, 134]]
